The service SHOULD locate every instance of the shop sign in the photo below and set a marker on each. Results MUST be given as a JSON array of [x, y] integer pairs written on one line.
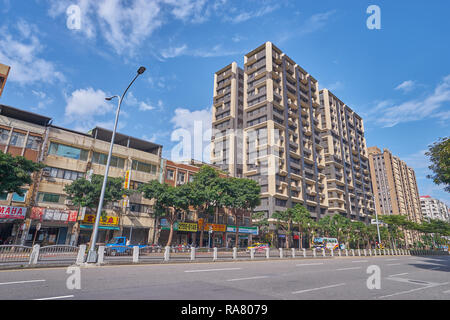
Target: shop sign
[[7, 212], [104, 220], [249, 230], [47, 214], [179, 226], [215, 227]]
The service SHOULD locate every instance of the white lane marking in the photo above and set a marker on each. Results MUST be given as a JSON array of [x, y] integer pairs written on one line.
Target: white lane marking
[[353, 268], [398, 274], [394, 264], [53, 298], [356, 261], [205, 270], [17, 282], [314, 289], [409, 291], [249, 278], [309, 264], [435, 268], [448, 291], [391, 259]]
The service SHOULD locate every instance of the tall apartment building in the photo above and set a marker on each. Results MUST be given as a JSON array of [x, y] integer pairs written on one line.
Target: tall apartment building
[[227, 123], [4, 72], [282, 129], [346, 157], [395, 187], [434, 209]]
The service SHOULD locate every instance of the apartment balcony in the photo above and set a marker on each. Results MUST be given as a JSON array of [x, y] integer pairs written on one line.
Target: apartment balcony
[[303, 104]]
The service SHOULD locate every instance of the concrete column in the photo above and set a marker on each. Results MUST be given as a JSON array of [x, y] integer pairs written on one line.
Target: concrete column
[[252, 253], [234, 253], [304, 252], [314, 252], [81, 252], [34, 254], [293, 252], [281, 252], [135, 254], [192, 253], [101, 254], [215, 254], [167, 254], [267, 253]]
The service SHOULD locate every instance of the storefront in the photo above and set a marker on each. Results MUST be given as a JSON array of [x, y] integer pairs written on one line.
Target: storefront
[[183, 232], [244, 235], [213, 234], [50, 226], [106, 228], [11, 219]]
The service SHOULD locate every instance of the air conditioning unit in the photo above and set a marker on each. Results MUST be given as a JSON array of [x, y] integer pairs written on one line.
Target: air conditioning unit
[[46, 172], [68, 202]]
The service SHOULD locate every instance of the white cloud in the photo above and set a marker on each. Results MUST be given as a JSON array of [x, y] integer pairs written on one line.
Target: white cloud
[[316, 22], [406, 86], [173, 52], [245, 16], [389, 114], [131, 100], [335, 86], [21, 52]]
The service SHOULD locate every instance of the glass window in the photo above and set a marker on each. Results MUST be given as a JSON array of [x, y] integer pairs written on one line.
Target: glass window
[[67, 151], [33, 142], [17, 139], [4, 134], [170, 174], [49, 197], [3, 196], [18, 198], [143, 167]]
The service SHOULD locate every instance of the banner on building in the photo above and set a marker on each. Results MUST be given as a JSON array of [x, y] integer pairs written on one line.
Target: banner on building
[[104, 220], [58, 215], [179, 226], [248, 230], [7, 212], [215, 227]]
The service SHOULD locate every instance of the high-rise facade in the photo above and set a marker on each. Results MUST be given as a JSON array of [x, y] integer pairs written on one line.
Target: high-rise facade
[[346, 158], [281, 122], [434, 209], [395, 187]]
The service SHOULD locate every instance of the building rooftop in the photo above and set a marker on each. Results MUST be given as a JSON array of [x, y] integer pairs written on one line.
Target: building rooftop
[[27, 116]]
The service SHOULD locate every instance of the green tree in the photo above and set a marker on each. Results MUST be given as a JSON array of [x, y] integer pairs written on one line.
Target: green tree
[[15, 172], [262, 222], [302, 218], [439, 154]]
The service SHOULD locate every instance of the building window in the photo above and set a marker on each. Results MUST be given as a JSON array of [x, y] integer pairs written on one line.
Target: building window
[[68, 152], [17, 139], [181, 177], [18, 198], [143, 167], [33, 142], [134, 185], [102, 158], [63, 174], [4, 134], [170, 174], [3, 196], [49, 197], [191, 178]]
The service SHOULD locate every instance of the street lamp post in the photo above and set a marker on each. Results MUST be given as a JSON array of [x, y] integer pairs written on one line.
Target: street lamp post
[[92, 254]]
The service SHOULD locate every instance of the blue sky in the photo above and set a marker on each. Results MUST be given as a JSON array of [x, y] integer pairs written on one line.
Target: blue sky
[[397, 78]]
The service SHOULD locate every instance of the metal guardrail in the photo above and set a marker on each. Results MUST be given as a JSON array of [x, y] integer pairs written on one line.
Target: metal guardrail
[[15, 253], [58, 253]]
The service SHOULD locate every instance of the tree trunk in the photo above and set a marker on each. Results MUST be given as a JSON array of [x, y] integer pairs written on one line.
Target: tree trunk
[[237, 229], [288, 235], [169, 241]]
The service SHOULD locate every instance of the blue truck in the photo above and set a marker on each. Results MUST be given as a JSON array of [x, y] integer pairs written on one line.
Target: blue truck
[[119, 246]]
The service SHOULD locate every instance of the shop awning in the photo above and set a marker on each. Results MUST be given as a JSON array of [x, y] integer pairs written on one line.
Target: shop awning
[[84, 226]]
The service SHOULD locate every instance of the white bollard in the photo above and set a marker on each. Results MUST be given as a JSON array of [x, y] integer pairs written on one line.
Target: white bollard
[[359, 252], [135, 254], [167, 254], [365, 253], [81, 252], [101, 254], [281, 252], [192, 253], [370, 252], [252, 253], [384, 252], [332, 252], [314, 252], [346, 252], [353, 252], [267, 253], [34, 254], [215, 254], [304, 253], [234, 253], [339, 252], [293, 252], [323, 252]]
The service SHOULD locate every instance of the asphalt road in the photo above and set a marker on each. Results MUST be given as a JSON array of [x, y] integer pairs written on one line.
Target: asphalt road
[[401, 277]]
